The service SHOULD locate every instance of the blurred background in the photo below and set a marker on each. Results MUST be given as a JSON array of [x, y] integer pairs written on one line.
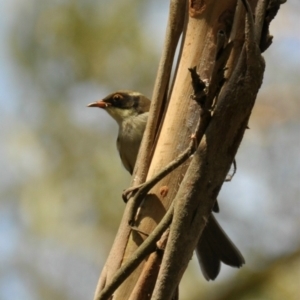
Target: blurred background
[[61, 177]]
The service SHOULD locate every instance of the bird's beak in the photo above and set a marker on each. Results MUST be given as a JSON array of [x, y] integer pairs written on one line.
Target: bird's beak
[[100, 104]]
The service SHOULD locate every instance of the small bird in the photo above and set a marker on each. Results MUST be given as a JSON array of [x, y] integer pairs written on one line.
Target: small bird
[[130, 110]]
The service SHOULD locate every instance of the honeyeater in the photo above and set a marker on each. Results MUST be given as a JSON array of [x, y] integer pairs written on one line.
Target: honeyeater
[[130, 110]]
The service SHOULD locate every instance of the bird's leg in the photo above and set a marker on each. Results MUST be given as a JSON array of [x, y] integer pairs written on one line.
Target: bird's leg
[[130, 192]]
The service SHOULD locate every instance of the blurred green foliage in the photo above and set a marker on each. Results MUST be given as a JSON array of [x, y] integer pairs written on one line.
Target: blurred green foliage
[[68, 41], [64, 44], [69, 177]]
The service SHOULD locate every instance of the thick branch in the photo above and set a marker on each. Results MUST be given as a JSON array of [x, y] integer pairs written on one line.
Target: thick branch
[[210, 165]]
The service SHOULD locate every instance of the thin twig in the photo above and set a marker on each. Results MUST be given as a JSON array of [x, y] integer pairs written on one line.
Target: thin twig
[[147, 247]]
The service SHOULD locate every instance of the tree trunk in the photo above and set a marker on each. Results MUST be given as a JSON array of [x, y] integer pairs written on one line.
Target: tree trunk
[[196, 183]]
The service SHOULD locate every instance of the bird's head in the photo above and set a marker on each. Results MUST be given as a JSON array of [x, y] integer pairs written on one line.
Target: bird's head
[[123, 104]]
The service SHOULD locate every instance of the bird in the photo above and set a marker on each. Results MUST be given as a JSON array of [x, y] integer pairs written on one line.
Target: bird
[[130, 110]]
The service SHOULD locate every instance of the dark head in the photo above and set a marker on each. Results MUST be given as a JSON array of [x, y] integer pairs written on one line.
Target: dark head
[[123, 104]]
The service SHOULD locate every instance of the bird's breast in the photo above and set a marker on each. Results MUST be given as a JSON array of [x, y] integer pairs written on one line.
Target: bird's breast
[[129, 139]]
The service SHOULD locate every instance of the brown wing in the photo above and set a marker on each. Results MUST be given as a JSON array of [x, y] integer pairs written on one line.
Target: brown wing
[[125, 160]]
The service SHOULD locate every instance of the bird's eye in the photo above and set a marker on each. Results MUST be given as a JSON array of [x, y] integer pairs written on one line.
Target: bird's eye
[[117, 97]]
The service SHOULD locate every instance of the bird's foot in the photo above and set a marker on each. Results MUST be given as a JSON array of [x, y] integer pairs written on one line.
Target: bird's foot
[[130, 192]]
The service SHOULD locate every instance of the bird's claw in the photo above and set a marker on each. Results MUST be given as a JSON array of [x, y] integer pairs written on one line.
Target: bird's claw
[[128, 193]]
